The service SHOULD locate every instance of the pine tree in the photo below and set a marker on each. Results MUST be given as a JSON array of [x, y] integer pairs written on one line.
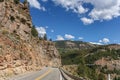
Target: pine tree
[[45, 37], [25, 1], [16, 1], [34, 31], [50, 39]]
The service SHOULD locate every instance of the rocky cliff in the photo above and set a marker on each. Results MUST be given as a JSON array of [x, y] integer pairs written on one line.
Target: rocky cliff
[[19, 50]]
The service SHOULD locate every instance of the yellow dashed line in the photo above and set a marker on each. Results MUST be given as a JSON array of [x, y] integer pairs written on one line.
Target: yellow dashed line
[[45, 74]]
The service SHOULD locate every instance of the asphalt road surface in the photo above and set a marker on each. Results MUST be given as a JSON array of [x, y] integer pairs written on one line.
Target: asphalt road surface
[[45, 74]]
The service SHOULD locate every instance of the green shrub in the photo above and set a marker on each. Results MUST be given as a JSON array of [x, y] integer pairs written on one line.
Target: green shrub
[[45, 37], [101, 76], [25, 1], [0, 46], [34, 32], [1, 0], [23, 20], [18, 37], [116, 78], [16, 1], [5, 32], [50, 39], [12, 18], [85, 71]]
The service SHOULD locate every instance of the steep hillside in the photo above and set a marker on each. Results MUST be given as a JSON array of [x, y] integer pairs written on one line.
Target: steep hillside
[[92, 62], [67, 44], [20, 50]]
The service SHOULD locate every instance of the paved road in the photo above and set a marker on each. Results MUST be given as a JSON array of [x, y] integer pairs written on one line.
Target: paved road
[[44, 74]]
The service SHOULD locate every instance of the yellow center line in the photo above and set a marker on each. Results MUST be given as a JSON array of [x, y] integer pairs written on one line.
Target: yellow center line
[[45, 74]]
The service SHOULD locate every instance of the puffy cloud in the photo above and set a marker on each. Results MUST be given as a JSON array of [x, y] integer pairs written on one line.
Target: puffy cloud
[[36, 4], [74, 5], [104, 40], [41, 31], [102, 9], [86, 21], [68, 36], [100, 41], [59, 37]]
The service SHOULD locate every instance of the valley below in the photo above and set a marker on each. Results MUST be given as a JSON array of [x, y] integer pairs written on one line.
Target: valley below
[[93, 62]]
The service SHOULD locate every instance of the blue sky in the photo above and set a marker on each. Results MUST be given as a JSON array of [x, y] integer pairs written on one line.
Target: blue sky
[[84, 20]]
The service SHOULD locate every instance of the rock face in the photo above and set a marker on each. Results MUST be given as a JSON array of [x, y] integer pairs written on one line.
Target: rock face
[[111, 64], [15, 18], [19, 50]]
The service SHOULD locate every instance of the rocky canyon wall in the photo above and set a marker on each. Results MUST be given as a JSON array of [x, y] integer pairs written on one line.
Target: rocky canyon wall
[[19, 50]]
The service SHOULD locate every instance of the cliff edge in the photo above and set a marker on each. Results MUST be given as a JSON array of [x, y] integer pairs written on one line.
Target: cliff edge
[[20, 51]]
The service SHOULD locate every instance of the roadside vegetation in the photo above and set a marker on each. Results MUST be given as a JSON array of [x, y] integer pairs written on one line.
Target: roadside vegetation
[[16, 1], [86, 58], [34, 31]]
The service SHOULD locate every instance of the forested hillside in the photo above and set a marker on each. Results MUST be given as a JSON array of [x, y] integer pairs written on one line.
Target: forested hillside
[[94, 62]]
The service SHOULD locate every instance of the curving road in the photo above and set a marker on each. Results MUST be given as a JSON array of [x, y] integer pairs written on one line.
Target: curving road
[[45, 74]]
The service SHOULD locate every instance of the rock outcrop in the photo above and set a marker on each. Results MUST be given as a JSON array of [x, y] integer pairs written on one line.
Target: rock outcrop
[[19, 50]]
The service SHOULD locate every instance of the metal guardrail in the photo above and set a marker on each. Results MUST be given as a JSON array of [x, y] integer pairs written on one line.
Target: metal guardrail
[[65, 76], [69, 75]]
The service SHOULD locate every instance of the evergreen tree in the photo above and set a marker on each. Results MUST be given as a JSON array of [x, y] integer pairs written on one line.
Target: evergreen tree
[[16, 1], [45, 37], [50, 39], [25, 1], [101, 76], [34, 31]]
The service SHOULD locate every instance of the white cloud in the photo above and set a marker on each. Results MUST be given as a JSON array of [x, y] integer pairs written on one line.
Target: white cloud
[[96, 43], [86, 21], [68, 36], [100, 41], [59, 37], [104, 40], [36, 4], [41, 31], [102, 9], [80, 38], [74, 5]]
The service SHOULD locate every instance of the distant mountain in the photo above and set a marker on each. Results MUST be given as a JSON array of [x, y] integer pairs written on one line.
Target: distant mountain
[[88, 60], [78, 45]]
